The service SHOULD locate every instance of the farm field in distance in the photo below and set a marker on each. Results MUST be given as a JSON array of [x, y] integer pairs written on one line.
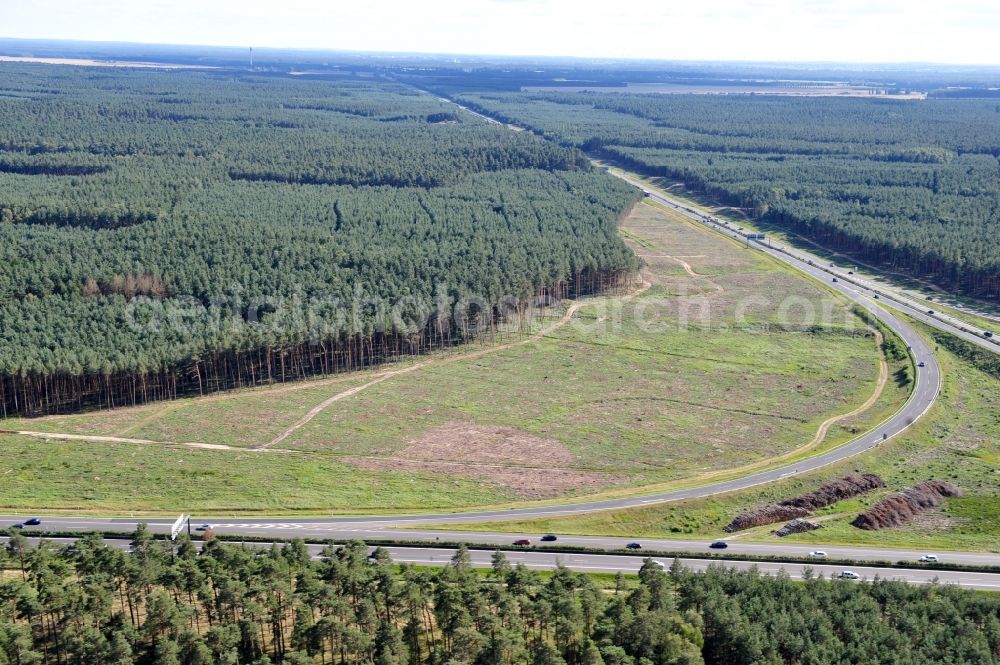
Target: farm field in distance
[[619, 396]]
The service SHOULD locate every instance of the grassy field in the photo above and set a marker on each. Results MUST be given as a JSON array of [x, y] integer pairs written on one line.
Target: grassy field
[[117, 478], [240, 418], [958, 441], [727, 359], [909, 285]]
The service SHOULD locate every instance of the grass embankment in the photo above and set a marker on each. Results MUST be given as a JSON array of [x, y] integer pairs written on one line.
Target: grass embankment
[[728, 359], [958, 441]]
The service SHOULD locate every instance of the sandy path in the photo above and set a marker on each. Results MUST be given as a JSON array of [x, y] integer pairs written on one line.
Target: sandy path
[[380, 377], [883, 378], [822, 430], [687, 268], [445, 360], [120, 439]]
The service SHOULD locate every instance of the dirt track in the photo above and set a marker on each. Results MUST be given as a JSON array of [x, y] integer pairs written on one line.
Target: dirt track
[[441, 360]]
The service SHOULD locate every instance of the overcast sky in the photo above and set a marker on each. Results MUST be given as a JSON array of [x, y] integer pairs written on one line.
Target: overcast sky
[[950, 31]]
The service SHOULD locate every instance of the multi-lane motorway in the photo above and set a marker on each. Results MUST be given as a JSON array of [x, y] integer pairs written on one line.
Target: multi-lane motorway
[[924, 312], [385, 529], [614, 563], [816, 266], [415, 527]]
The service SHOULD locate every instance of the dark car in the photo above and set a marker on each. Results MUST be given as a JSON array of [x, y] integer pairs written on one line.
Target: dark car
[[875, 296], [548, 538], [835, 279], [633, 546], [34, 521], [987, 334], [850, 272], [930, 311], [719, 545], [522, 542], [18, 526]]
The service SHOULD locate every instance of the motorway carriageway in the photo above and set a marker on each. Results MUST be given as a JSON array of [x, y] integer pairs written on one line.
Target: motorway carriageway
[[916, 309], [610, 563], [401, 527], [397, 527], [825, 271], [386, 531]]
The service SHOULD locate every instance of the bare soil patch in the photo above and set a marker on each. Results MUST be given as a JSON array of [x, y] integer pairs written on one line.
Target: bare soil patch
[[529, 466], [487, 444]]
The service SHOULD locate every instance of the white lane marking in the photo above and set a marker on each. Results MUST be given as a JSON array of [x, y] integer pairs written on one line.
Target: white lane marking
[[256, 526]]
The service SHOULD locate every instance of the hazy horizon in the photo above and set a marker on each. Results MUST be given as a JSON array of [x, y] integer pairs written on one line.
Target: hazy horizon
[[765, 31]]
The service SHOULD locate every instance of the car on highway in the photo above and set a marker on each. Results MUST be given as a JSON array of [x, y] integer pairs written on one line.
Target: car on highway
[[203, 527], [848, 575], [920, 364], [17, 526], [549, 538], [930, 311], [850, 272], [835, 279], [34, 521], [661, 565], [719, 545], [928, 558], [633, 546], [522, 542], [875, 296], [818, 554], [987, 334]]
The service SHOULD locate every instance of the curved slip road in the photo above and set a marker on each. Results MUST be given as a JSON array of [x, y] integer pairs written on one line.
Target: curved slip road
[[927, 385]]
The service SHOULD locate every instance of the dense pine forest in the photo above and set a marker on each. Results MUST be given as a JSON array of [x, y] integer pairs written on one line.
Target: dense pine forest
[[228, 604], [912, 186], [176, 232]]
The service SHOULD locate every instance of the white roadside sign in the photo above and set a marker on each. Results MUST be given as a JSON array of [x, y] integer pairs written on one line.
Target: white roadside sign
[[178, 525]]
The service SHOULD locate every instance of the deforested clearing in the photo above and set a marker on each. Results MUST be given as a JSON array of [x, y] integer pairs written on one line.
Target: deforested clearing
[[634, 388]]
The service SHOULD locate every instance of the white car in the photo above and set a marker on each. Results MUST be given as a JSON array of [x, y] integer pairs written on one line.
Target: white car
[[928, 558], [204, 527], [849, 575], [818, 554]]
